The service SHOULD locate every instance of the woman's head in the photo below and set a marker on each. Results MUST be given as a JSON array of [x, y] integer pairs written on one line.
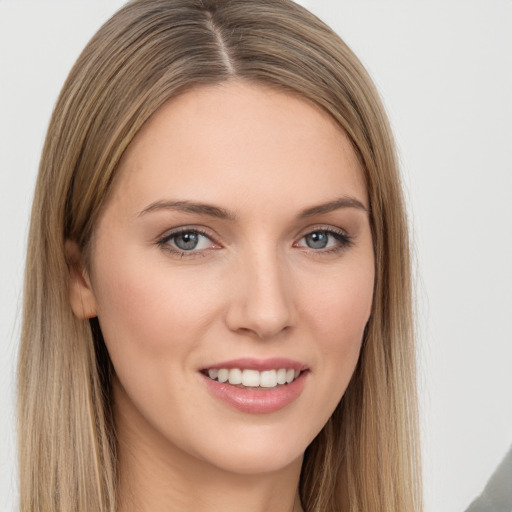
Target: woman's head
[[157, 64], [236, 237]]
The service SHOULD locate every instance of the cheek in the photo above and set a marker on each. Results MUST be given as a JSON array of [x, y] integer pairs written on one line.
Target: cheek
[[342, 306], [339, 314], [153, 322], [148, 306]]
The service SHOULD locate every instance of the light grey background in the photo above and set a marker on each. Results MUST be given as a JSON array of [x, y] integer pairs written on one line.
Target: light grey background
[[444, 69]]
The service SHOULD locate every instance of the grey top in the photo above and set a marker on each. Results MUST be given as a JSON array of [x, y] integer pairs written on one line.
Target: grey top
[[497, 495]]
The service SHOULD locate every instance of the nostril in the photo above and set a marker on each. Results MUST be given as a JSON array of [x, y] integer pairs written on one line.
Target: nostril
[[262, 303]]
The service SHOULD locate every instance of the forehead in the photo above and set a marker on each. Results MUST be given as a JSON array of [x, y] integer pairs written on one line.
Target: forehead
[[239, 143]]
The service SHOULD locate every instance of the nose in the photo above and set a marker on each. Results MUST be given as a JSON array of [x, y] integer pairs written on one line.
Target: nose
[[262, 302]]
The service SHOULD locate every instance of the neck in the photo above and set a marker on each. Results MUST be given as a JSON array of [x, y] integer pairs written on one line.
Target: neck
[[157, 476]]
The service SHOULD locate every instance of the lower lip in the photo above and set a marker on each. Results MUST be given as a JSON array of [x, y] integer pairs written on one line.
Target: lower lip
[[259, 401]]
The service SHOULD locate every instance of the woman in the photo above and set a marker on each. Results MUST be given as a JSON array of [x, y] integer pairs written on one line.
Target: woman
[[217, 304]]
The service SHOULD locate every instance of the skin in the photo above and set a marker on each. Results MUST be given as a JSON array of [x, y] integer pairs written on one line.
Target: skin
[[252, 288]]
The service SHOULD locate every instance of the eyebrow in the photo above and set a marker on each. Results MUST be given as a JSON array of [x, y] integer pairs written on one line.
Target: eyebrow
[[221, 213], [190, 207], [337, 204]]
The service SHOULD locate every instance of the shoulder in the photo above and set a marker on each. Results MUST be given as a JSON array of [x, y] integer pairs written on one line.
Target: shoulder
[[497, 495]]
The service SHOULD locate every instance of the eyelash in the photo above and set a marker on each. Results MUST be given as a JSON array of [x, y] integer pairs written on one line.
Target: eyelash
[[344, 241], [163, 242]]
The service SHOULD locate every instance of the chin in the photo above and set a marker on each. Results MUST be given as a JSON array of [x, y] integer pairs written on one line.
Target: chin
[[255, 454], [247, 462]]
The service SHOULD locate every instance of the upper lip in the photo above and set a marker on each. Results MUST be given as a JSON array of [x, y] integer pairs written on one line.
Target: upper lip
[[250, 363]]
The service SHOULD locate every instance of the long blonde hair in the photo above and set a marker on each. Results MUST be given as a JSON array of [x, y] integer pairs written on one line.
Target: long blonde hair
[[366, 457]]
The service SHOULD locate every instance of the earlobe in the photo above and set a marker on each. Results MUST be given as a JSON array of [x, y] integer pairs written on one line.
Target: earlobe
[[81, 295]]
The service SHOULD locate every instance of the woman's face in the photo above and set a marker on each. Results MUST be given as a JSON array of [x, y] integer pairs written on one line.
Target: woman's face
[[236, 245]]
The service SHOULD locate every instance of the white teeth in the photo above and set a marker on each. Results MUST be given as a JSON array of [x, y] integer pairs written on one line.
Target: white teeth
[[223, 375], [251, 378], [235, 376], [268, 379], [254, 378], [281, 376]]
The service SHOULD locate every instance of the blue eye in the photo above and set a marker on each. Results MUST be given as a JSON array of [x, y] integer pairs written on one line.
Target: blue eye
[[317, 240], [186, 240], [326, 239]]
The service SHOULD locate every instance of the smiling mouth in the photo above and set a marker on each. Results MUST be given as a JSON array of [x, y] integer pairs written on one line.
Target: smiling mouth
[[253, 379]]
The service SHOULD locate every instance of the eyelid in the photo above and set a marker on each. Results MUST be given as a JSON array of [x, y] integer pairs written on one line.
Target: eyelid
[[322, 227], [163, 240], [345, 239]]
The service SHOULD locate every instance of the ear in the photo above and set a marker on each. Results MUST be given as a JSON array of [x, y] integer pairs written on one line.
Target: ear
[[81, 295]]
